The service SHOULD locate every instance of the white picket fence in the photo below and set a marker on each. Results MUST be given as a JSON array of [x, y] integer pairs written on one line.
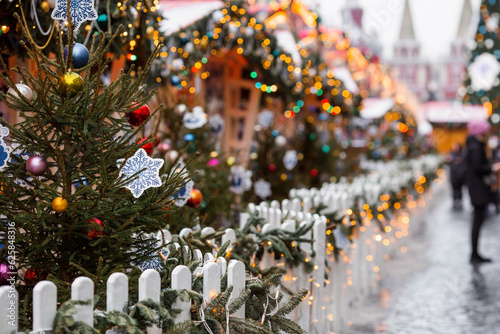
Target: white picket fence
[[335, 286]]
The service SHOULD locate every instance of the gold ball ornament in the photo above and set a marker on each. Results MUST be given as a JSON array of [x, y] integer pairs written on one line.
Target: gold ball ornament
[[71, 84], [59, 204], [45, 6]]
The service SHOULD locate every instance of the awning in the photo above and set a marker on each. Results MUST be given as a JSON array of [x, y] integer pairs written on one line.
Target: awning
[[344, 75], [453, 112], [376, 108], [180, 14], [286, 41]]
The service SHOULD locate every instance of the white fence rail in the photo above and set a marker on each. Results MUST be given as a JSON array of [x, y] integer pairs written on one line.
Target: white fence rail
[[334, 286]]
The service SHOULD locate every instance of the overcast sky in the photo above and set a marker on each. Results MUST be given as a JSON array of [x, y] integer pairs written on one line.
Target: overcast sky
[[435, 21]]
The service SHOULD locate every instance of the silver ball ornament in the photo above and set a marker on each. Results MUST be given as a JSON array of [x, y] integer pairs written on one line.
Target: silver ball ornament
[[23, 89], [280, 141]]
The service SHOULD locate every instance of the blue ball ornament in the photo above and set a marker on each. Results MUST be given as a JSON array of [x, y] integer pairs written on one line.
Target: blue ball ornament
[[80, 55], [175, 80], [189, 137], [102, 22]]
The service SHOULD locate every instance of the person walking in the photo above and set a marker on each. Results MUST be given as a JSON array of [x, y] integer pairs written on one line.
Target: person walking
[[456, 162], [477, 176]]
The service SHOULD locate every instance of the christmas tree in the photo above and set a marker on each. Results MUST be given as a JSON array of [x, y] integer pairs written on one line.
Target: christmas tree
[[483, 80], [79, 194]]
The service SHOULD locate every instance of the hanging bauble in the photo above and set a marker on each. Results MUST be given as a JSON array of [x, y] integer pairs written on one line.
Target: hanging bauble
[[172, 155], [7, 274], [80, 57], [36, 165], [178, 64], [23, 89], [96, 228], [175, 80], [59, 204], [102, 22], [196, 198], [4, 29], [138, 116], [32, 276], [280, 141], [71, 84], [147, 147], [45, 6], [163, 147]]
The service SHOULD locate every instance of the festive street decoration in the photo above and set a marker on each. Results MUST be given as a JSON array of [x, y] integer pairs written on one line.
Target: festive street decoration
[[262, 189], [59, 204], [139, 115], [5, 150], [23, 89], [96, 228], [241, 179], [146, 168], [36, 165], [79, 11], [148, 147], [194, 119], [290, 159], [6, 274], [71, 84], [80, 56], [196, 198], [484, 72]]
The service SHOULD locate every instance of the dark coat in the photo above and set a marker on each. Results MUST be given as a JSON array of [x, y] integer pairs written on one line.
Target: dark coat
[[477, 172], [457, 168]]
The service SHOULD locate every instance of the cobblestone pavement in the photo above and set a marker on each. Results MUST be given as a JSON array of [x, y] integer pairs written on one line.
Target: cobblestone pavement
[[433, 288]]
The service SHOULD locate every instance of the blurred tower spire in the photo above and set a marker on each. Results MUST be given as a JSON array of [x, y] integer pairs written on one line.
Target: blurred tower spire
[[407, 32], [464, 26]]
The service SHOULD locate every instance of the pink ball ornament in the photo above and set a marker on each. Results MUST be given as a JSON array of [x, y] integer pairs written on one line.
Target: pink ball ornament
[[36, 165], [6, 274], [163, 147]]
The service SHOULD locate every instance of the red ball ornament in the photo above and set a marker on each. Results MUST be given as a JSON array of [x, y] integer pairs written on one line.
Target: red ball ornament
[[196, 198], [94, 233], [272, 167], [147, 147], [32, 276], [314, 172], [138, 116]]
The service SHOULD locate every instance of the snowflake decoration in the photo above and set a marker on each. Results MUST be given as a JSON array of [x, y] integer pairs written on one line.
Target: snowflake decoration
[[144, 168], [216, 124], [194, 119], [4, 149], [184, 194], [290, 159], [157, 259], [262, 188], [484, 71], [266, 118], [241, 179], [80, 11]]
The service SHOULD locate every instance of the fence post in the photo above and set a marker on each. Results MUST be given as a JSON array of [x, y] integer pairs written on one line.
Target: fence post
[[117, 292], [230, 236], [164, 236], [222, 264], [267, 258], [319, 247], [9, 309], [236, 279], [211, 281], [181, 279], [244, 216], [44, 306], [82, 289], [149, 285], [149, 288]]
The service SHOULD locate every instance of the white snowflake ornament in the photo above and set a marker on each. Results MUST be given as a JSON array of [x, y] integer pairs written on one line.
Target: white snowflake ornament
[[262, 188], [80, 11], [241, 179], [290, 159], [5, 150], [483, 72], [194, 119], [148, 172], [184, 194], [265, 118]]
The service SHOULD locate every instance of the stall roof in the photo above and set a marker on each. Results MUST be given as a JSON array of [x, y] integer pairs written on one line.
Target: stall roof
[[374, 108], [453, 112], [344, 75], [180, 14]]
